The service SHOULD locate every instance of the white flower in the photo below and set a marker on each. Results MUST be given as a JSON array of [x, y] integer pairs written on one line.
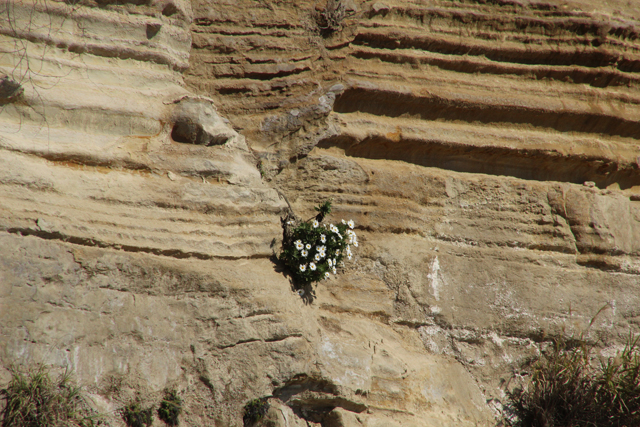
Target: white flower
[[322, 251], [334, 271], [343, 221], [308, 246], [305, 253], [323, 238], [337, 251], [355, 243], [334, 262], [349, 256], [315, 223], [299, 245], [327, 275], [301, 292], [329, 262], [333, 228], [351, 224], [317, 257], [312, 266], [303, 267], [352, 236]]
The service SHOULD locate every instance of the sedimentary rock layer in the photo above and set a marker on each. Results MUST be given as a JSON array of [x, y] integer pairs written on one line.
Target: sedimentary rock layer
[[501, 131], [487, 150]]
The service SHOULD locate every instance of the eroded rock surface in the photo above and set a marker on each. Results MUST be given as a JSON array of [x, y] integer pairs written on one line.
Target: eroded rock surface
[[488, 152]]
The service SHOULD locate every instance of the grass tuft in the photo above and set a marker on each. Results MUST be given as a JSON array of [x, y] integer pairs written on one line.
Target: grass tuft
[[170, 408], [567, 389], [134, 415], [254, 411], [33, 399]]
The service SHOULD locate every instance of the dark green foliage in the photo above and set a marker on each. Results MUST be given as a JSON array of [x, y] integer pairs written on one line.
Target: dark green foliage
[[260, 167], [33, 399], [323, 210], [617, 387], [10, 90], [312, 250], [254, 411], [566, 390], [170, 408], [558, 390], [134, 415]]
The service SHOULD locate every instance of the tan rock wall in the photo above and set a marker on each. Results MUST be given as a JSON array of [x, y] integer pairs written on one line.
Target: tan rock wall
[[488, 152]]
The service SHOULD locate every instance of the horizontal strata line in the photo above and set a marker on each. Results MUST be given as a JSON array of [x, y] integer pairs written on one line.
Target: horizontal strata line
[[277, 60], [380, 315], [586, 57], [207, 210], [263, 75], [514, 245], [83, 160], [548, 23], [83, 241], [538, 165], [35, 206], [159, 56], [509, 6], [207, 22], [287, 64], [567, 42], [395, 104], [240, 83], [602, 263], [266, 340], [240, 32], [135, 222], [544, 247], [596, 77]]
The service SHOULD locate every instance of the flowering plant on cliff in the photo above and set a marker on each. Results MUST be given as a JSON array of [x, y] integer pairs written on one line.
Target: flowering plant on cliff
[[313, 250]]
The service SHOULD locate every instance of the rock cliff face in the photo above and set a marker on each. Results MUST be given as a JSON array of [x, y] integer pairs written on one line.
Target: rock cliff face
[[488, 152]]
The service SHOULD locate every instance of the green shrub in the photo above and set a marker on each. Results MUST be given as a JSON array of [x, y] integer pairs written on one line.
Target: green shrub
[[170, 408], [254, 411], [33, 399], [134, 415], [312, 250], [565, 389], [323, 210]]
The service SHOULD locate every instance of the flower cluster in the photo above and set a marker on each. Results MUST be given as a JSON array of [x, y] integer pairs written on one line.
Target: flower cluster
[[318, 249]]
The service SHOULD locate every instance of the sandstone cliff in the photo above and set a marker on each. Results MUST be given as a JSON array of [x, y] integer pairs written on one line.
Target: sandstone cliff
[[487, 151]]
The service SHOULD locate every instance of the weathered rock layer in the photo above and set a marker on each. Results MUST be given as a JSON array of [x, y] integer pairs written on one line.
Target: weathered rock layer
[[487, 150]]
